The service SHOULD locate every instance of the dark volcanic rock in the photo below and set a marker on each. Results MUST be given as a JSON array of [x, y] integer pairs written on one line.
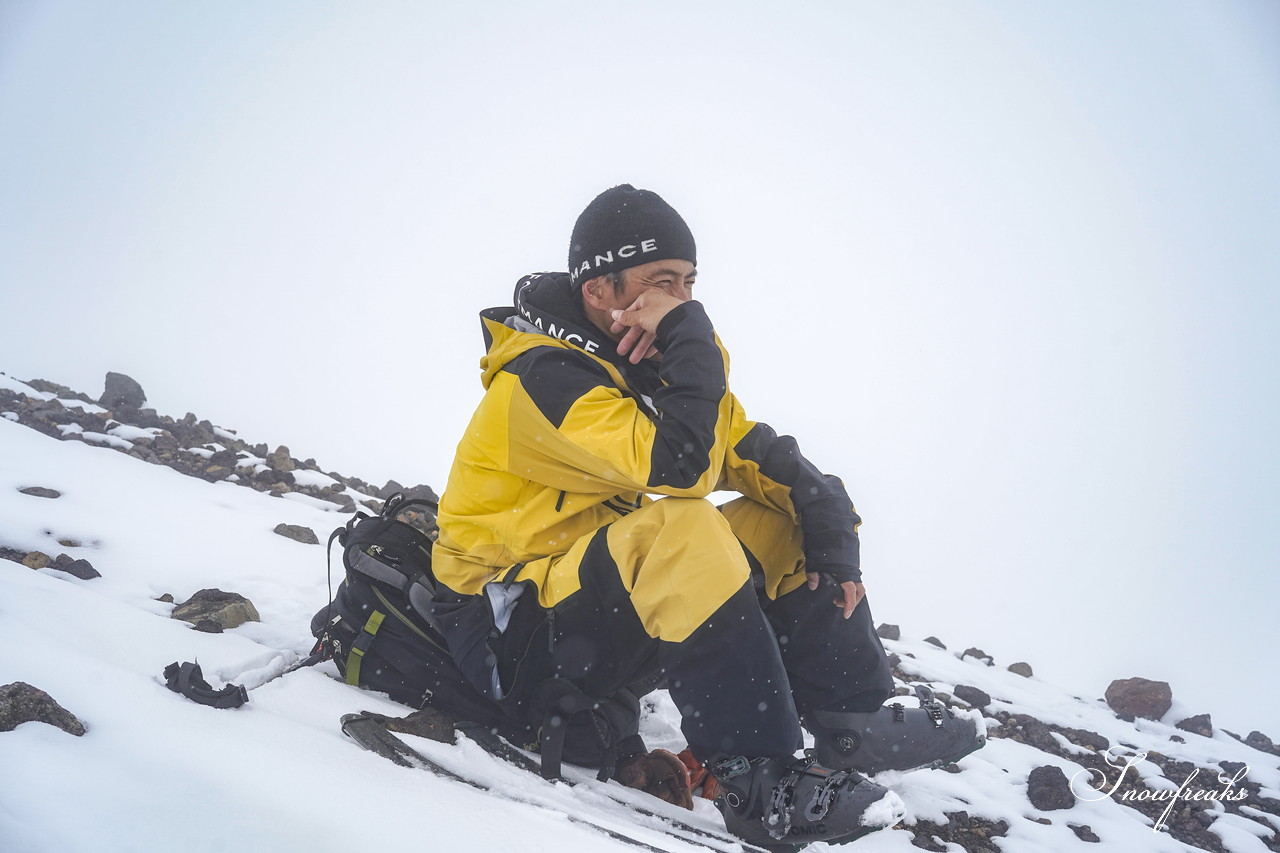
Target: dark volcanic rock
[[272, 477], [1084, 832], [1048, 789], [934, 641], [62, 391], [388, 490], [889, 632], [225, 459], [1140, 697], [122, 392], [1021, 668], [1258, 740], [82, 569], [41, 492], [975, 697], [978, 654], [297, 533], [228, 609], [969, 832], [21, 703], [1200, 724]]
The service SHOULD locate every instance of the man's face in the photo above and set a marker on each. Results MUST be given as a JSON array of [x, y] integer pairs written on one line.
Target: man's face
[[673, 277]]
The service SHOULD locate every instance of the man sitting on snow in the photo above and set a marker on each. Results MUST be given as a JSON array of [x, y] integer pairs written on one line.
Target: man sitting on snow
[[607, 386]]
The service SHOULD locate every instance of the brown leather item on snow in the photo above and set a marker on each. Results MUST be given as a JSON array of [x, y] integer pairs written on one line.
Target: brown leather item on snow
[[658, 773]]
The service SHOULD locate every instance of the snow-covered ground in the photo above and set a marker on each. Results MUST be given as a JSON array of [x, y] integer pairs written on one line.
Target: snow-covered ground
[[156, 772]]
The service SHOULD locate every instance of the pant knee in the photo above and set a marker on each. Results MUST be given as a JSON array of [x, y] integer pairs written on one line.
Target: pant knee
[[679, 560]]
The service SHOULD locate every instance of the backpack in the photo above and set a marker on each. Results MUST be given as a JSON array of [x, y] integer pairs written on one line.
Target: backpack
[[392, 628]]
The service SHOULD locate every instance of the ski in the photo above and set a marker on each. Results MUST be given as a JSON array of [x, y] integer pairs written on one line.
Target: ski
[[370, 731], [487, 740]]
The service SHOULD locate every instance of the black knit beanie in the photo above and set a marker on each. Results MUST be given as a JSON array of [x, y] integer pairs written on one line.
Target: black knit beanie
[[626, 227]]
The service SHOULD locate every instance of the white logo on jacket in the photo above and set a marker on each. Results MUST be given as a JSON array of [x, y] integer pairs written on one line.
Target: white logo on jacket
[[535, 324]]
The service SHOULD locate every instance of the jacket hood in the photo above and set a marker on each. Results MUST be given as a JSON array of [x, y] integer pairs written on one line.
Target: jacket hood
[[547, 312]]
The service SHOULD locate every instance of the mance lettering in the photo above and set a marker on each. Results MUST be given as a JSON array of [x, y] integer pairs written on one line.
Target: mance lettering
[[628, 251]]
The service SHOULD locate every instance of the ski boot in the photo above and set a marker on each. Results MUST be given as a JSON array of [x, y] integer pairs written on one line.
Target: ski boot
[[894, 737], [786, 804]]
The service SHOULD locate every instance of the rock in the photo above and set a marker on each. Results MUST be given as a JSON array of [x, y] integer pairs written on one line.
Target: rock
[[148, 419], [225, 458], [421, 492], [297, 533], [1200, 724], [281, 460], [978, 654], [270, 477], [21, 703], [388, 490], [1084, 832], [972, 695], [37, 560], [1258, 740], [343, 501], [214, 473], [1033, 732], [1020, 668], [228, 609], [934, 641], [167, 598], [1048, 789], [192, 435], [1087, 739], [1233, 767], [1140, 697], [54, 388], [122, 391], [889, 632], [209, 626], [82, 569], [41, 492]]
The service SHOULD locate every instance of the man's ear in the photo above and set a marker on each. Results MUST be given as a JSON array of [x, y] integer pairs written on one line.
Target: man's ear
[[591, 292]]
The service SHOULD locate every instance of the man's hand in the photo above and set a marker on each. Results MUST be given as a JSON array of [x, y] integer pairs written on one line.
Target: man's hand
[[847, 596], [640, 320]]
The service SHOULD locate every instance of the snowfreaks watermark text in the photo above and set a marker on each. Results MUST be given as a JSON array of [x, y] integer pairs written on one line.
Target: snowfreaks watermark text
[[1226, 793]]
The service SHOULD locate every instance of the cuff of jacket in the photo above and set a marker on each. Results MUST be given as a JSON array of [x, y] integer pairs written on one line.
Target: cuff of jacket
[[681, 320]]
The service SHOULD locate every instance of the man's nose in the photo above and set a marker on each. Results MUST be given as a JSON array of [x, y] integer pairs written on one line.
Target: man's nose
[[683, 292]]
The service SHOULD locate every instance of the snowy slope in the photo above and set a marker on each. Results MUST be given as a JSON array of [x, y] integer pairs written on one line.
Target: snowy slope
[[157, 772]]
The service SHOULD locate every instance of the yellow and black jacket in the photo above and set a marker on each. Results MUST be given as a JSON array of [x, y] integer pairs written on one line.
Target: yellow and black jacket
[[569, 438]]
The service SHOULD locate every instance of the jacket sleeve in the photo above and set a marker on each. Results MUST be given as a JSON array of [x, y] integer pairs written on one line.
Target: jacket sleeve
[[571, 427], [769, 468]]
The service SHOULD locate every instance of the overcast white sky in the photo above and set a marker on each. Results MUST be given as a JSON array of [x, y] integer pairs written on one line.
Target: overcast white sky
[[1008, 268]]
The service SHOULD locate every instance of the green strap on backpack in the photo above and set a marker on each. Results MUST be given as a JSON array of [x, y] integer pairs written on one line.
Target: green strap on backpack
[[361, 645]]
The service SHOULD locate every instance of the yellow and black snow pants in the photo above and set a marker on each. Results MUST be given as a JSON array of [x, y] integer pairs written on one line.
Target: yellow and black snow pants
[[714, 602]]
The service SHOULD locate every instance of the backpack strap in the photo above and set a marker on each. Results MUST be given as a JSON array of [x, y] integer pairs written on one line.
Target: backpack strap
[[604, 720], [361, 645]]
